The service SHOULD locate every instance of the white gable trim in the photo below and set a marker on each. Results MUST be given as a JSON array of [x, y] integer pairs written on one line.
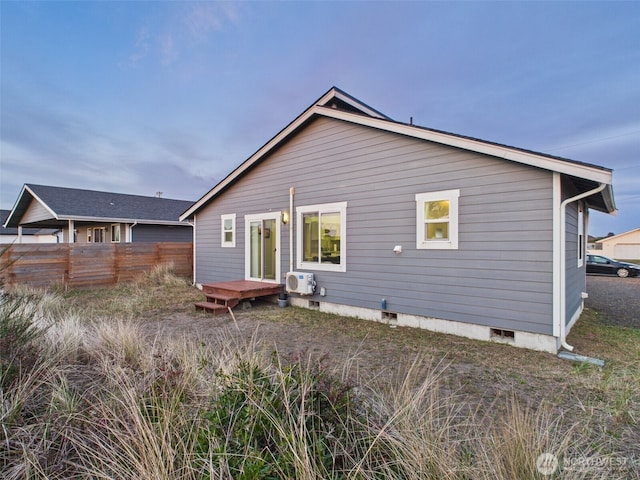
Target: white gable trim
[[333, 93], [528, 158], [39, 200], [500, 151]]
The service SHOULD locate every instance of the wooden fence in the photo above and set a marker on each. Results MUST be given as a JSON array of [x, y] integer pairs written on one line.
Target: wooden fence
[[78, 265]]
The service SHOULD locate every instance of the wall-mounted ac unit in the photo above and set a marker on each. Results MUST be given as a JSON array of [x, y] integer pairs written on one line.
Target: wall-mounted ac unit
[[302, 283]]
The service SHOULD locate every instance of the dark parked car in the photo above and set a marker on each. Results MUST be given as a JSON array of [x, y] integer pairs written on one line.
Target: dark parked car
[[601, 264]]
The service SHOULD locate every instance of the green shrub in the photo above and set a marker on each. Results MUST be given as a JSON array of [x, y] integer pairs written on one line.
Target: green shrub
[[18, 332], [289, 421]]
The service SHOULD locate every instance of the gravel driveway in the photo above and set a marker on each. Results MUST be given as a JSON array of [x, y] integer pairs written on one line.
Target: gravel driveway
[[618, 299]]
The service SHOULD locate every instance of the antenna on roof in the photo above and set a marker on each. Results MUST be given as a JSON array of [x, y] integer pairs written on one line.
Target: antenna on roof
[[159, 194]]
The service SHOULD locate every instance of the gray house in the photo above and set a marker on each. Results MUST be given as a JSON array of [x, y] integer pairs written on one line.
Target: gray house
[[364, 216], [87, 216]]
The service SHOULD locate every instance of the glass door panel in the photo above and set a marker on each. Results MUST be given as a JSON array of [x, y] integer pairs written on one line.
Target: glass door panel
[[269, 249], [261, 248], [255, 249]]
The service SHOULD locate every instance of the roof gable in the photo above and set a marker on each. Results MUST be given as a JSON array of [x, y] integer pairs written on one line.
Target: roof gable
[[338, 105], [617, 237], [90, 205], [4, 214]]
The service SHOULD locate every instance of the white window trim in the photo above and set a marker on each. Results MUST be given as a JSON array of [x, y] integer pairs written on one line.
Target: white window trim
[[103, 234], [581, 236], [452, 242], [247, 244], [340, 207], [115, 227], [232, 243]]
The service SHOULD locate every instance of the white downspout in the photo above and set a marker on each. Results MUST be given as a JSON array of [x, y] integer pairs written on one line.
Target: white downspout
[[292, 192], [563, 254], [193, 228], [130, 239]]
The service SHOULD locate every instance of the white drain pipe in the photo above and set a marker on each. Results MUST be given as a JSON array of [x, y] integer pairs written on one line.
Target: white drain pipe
[[563, 268], [292, 191]]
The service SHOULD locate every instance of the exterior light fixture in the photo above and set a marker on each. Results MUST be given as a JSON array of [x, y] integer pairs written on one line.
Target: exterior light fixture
[[285, 217]]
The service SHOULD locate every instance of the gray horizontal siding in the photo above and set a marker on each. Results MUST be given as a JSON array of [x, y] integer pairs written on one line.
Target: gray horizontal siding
[[160, 233], [500, 276]]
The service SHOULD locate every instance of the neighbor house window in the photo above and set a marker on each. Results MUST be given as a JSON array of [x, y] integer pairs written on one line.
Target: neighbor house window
[[99, 234], [437, 220], [115, 232], [228, 230], [89, 235], [321, 237]]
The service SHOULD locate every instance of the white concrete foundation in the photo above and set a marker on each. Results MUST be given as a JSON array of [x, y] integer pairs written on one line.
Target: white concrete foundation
[[532, 341]]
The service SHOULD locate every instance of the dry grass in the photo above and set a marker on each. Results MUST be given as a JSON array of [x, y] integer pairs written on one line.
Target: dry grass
[[107, 400]]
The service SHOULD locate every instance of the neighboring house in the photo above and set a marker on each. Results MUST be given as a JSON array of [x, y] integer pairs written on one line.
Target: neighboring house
[[29, 235], [624, 246], [406, 225], [87, 216]]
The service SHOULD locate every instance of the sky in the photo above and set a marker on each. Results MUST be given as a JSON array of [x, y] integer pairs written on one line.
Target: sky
[[170, 96]]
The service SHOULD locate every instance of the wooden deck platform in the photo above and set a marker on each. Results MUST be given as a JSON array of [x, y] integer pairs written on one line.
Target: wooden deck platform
[[222, 296]]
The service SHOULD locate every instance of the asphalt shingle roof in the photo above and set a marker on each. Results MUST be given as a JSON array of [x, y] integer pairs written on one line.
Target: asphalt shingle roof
[[79, 204], [72, 202]]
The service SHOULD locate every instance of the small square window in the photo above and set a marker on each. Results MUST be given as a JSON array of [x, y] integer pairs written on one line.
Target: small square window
[[228, 229], [437, 220]]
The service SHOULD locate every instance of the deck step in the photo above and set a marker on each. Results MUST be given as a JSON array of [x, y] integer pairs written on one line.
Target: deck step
[[222, 299], [216, 308]]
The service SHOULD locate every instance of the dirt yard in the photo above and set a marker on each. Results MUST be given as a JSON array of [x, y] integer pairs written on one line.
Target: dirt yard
[[482, 375], [375, 351]]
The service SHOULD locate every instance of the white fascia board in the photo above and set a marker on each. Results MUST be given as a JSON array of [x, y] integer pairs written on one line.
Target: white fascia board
[[333, 93], [54, 214], [123, 220], [248, 163], [527, 158], [25, 188], [540, 161]]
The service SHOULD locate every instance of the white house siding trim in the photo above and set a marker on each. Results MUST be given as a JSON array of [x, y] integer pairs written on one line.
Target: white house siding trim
[[501, 275], [557, 254]]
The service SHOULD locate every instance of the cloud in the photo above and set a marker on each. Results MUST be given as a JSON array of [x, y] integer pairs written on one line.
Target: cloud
[[203, 18], [168, 52], [141, 46]]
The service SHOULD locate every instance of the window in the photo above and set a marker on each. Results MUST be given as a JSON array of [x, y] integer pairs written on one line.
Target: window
[[228, 223], [321, 237], [89, 235], [581, 240], [99, 234], [115, 232], [437, 220]]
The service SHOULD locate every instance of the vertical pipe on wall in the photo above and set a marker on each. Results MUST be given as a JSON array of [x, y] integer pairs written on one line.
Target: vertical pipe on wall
[[563, 268], [292, 192]]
